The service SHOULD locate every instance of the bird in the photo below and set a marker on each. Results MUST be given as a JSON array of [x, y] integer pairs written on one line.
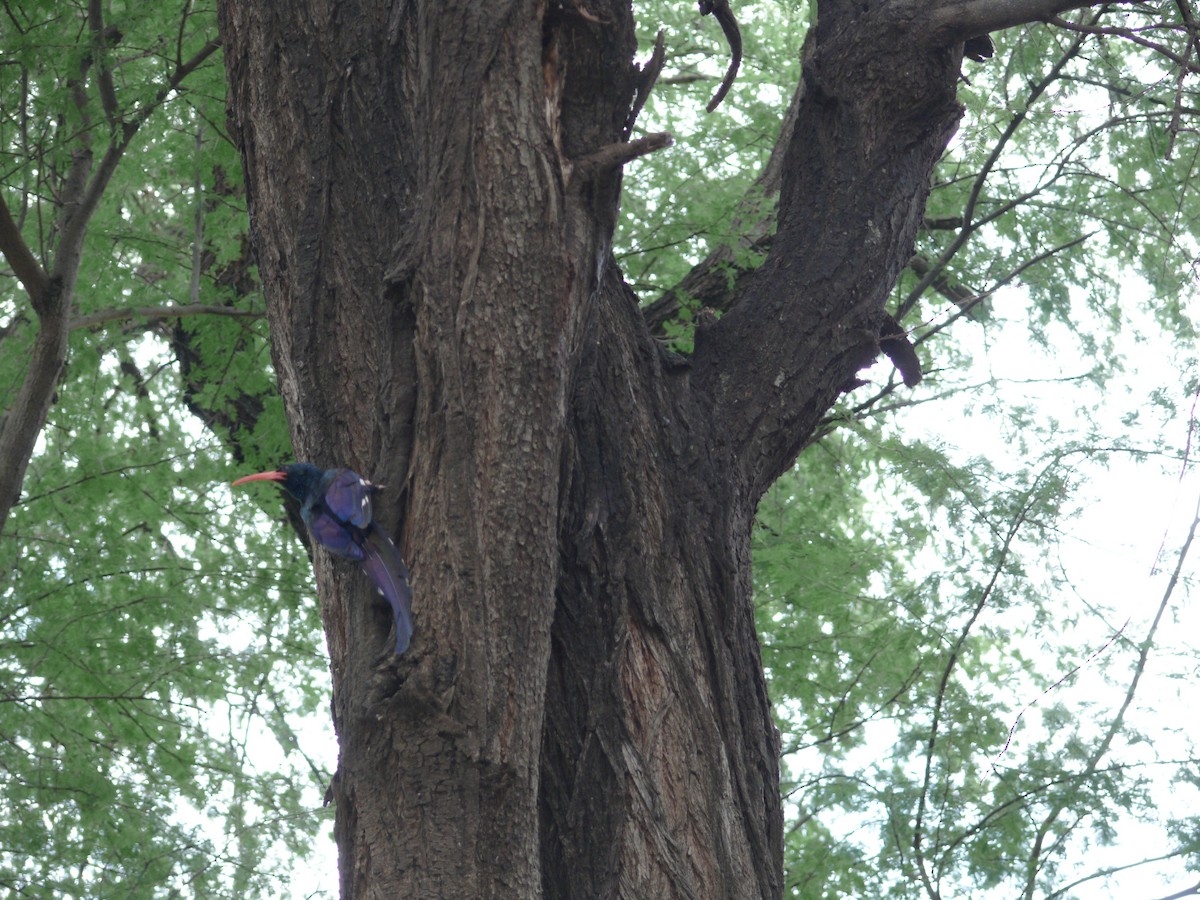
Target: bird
[[335, 505]]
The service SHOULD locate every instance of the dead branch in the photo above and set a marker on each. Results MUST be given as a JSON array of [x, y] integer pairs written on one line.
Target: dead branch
[[610, 156], [648, 77], [721, 10]]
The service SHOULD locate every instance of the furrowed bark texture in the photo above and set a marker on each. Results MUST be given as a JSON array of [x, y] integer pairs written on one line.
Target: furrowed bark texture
[[583, 712]]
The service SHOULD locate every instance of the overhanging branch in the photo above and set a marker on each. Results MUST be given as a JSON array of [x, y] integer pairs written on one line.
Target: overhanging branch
[[962, 19], [1129, 34]]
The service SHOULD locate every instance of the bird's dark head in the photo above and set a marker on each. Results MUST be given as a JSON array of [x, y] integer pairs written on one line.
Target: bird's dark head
[[298, 479]]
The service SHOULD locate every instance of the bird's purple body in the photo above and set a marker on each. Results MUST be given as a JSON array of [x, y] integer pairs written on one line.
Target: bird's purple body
[[335, 504]]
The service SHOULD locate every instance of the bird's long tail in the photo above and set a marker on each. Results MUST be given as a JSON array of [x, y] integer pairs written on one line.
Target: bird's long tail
[[383, 563]]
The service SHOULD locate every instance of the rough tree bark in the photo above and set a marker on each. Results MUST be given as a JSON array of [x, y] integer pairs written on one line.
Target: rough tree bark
[[433, 186]]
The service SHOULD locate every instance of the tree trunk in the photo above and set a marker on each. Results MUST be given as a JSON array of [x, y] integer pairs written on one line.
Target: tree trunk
[[433, 188]]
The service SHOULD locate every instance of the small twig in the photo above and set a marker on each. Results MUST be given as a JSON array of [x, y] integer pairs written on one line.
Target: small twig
[[1057, 684], [964, 308], [720, 9], [12, 18], [85, 192], [183, 18], [969, 224], [1118, 720], [1008, 539]]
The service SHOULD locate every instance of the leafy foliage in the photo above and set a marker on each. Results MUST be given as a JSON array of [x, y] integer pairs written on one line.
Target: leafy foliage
[[158, 652]]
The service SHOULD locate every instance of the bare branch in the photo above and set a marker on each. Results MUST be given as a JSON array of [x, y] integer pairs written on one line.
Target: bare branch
[[73, 229], [1068, 890], [723, 14], [871, 406], [91, 698], [646, 81], [27, 413], [183, 18], [610, 156], [962, 19], [81, 195], [197, 224], [161, 312], [1130, 34], [969, 224], [709, 282], [965, 306], [1193, 891]]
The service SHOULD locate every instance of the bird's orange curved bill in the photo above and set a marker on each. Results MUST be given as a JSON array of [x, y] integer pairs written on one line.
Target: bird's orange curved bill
[[261, 476]]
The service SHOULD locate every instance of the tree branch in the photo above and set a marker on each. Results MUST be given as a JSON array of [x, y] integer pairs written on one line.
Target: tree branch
[[811, 314], [969, 225], [708, 283], [1006, 546], [160, 312], [646, 81], [27, 269], [1068, 890], [586, 168], [962, 19], [104, 81], [75, 224], [1128, 34], [966, 305], [27, 414], [1193, 891], [724, 15]]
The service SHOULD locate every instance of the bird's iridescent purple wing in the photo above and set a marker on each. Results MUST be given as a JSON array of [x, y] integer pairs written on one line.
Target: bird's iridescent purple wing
[[385, 566], [347, 495]]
